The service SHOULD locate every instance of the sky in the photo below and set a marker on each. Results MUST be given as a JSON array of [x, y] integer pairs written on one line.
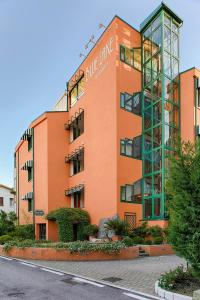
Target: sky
[[40, 43]]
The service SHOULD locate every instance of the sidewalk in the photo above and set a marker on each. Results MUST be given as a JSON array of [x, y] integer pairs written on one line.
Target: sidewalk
[[138, 274]]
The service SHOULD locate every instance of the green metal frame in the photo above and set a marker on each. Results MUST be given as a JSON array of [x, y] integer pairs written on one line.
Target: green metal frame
[[160, 77]]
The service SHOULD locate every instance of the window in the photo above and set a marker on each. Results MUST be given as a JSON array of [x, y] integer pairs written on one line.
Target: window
[[30, 205], [148, 208], [137, 192], [30, 143], [77, 127], [76, 92], [197, 85], [126, 147], [1, 201], [130, 218], [137, 147], [11, 202], [131, 57], [77, 199], [126, 193], [77, 163], [131, 103], [30, 174]]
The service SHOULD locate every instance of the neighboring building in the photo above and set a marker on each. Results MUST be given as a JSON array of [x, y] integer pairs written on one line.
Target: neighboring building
[[7, 202], [124, 113]]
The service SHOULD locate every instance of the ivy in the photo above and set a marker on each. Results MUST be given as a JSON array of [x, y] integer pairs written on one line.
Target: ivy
[[66, 218]]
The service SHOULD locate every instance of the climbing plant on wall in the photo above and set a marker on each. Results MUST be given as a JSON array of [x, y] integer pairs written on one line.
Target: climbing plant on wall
[[67, 218]]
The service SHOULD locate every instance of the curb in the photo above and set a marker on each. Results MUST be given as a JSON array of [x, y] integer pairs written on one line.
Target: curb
[[169, 295]]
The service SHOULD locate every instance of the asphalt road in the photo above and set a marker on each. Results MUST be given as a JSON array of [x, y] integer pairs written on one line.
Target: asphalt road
[[21, 280]]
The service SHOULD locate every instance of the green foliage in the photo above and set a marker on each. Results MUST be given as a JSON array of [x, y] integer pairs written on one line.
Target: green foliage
[[25, 231], [66, 218], [128, 241], [158, 240], [5, 238], [73, 247], [7, 222], [155, 231], [148, 242], [140, 231], [120, 227], [91, 230], [183, 188], [177, 278], [138, 240]]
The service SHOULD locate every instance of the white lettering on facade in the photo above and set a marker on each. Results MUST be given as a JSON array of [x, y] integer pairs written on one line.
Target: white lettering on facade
[[100, 59]]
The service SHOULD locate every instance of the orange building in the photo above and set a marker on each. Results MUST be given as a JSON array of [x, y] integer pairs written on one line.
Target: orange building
[[105, 146]]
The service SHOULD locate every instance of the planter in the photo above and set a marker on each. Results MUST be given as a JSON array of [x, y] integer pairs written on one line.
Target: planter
[[169, 295], [65, 255], [157, 250]]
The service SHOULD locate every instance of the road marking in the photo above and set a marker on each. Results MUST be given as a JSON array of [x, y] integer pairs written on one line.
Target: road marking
[[7, 258], [87, 281], [26, 264], [51, 271], [136, 296]]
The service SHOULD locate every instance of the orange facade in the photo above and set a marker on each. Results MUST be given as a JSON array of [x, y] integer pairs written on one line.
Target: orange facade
[[76, 154]]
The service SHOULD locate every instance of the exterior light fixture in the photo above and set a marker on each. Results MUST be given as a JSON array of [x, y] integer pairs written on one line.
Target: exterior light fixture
[[101, 25]]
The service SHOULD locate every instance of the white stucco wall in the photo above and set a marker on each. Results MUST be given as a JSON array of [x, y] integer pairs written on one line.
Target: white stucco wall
[[7, 195]]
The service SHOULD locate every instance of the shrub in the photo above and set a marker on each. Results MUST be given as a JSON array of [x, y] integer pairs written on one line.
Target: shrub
[[7, 222], [128, 241], [141, 231], [25, 232], [158, 240], [91, 230], [148, 242], [155, 231], [5, 238], [177, 277], [120, 227], [138, 240], [66, 218]]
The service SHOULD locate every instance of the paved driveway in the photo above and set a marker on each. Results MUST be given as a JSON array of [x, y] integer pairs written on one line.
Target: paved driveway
[[137, 274]]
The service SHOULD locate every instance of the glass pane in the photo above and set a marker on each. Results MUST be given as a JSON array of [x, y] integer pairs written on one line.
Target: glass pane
[[167, 21], [156, 22], [129, 193], [129, 148], [147, 32], [122, 147], [157, 136], [168, 155], [157, 113], [167, 64], [175, 27], [147, 72], [147, 186], [174, 68], [175, 92], [147, 118], [147, 143], [157, 184], [73, 95], [156, 40], [128, 102], [137, 59], [122, 53], [147, 99], [129, 57], [156, 65], [148, 208], [137, 147], [147, 50], [81, 87], [137, 103], [123, 193], [157, 90], [148, 163], [171, 114], [167, 39], [175, 44], [170, 136], [157, 206], [167, 88], [122, 100], [137, 191], [157, 160]]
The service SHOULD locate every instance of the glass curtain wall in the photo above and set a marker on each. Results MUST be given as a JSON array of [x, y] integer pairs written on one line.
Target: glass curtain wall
[[160, 109]]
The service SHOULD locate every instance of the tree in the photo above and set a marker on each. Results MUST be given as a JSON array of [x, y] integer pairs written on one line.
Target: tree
[[183, 189], [7, 222]]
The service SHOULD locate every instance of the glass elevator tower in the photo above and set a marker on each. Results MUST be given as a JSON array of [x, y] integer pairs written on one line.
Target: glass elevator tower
[[160, 106]]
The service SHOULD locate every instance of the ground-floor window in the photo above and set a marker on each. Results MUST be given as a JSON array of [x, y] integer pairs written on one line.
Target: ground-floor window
[[77, 199], [130, 218], [42, 231]]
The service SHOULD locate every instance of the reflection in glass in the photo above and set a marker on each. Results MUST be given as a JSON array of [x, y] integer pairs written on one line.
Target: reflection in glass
[[157, 113], [148, 208], [156, 65], [147, 186], [157, 184], [147, 72], [147, 162], [175, 92], [157, 89], [157, 160], [167, 88], [157, 136], [157, 207], [167, 21], [147, 50], [175, 27], [170, 136], [167, 64], [147, 142], [171, 114], [156, 40], [174, 44], [147, 32], [156, 22], [174, 67], [167, 39]]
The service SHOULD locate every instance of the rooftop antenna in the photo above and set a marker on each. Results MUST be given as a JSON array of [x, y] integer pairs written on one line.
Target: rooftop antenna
[[82, 55], [91, 40]]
